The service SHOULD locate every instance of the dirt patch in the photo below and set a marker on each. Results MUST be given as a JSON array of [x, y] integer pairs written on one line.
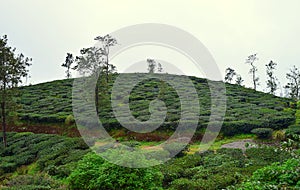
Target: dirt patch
[[241, 144]]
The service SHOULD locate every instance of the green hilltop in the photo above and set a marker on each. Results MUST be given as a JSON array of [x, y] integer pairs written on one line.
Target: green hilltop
[[51, 103]]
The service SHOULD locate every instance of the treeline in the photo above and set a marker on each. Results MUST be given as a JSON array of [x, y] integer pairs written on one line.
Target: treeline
[[293, 76]]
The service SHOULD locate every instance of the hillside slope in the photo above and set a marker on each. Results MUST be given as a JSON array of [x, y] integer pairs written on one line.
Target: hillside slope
[[51, 102]]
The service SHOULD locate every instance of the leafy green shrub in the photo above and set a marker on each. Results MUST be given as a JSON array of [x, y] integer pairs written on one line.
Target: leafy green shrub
[[183, 183], [239, 127], [70, 120], [267, 155], [276, 176], [94, 173], [262, 133], [293, 129], [279, 135], [177, 168]]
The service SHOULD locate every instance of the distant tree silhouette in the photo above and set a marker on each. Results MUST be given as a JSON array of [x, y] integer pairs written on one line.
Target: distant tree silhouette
[[230, 73], [151, 65], [239, 81], [293, 86], [67, 64], [272, 80], [253, 71], [159, 68]]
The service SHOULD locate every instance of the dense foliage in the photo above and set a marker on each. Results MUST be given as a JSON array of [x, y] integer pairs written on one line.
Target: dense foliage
[[40, 161], [246, 109], [263, 133], [93, 172], [276, 176]]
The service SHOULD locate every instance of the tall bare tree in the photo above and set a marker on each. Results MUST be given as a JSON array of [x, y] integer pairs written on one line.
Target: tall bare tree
[[253, 71], [272, 83], [106, 42], [94, 60], [293, 85], [13, 68]]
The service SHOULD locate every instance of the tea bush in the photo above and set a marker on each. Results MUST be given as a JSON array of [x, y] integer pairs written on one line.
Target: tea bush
[[50, 152], [276, 176], [263, 133]]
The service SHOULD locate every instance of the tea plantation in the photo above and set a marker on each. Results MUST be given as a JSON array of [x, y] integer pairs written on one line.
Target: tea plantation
[[247, 109], [49, 161], [43, 161]]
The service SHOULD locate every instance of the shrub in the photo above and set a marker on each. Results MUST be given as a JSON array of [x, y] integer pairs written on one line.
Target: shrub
[[69, 120], [94, 173], [183, 183], [279, 135], [293, 130], [263, 133], [276, 176], [239, 127], [268, 155]]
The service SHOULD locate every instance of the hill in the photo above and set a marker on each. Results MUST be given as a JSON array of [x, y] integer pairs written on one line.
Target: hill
[[43, 161], [51, 103]]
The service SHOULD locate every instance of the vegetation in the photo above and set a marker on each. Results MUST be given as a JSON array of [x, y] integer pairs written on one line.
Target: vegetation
[[276, 176], [294, 83], [12, 69], [263, 133], [41, 161], [68, 63], [253, 71], [230, 73], [272, 80], [51, 103], [93, 173]]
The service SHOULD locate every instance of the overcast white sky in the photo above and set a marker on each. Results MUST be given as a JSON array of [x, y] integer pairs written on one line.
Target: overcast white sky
[[46, 30]]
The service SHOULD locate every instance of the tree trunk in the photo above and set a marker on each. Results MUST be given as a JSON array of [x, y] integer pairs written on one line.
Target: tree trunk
[[107, 69], [3, 122], [254, 78], [97, 98]]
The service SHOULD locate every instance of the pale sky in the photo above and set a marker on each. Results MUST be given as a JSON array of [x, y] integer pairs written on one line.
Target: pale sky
[[231, 30]]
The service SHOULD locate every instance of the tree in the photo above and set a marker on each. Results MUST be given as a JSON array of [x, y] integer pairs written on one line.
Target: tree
[[239, 81], [68, 62], [159, 68], [293, 86], [151, 65], [272, 80], [13, 68], [94, 60], [250, 60], [230, 73], [106, 41]]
